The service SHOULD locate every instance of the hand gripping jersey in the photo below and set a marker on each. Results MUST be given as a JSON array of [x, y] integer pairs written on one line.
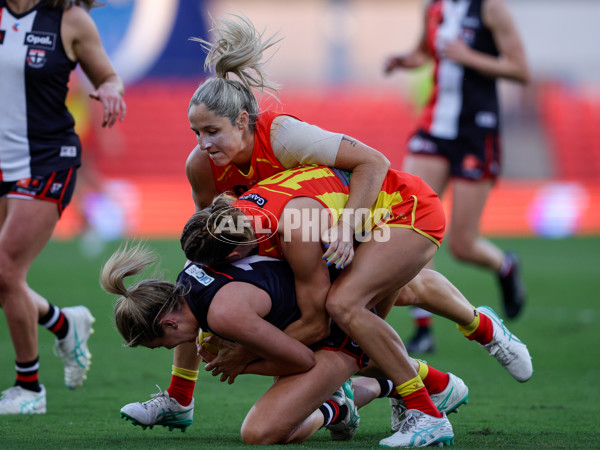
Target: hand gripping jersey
[[405, 201], [36, 129], [264, 163], [463, 100], [271, 275]]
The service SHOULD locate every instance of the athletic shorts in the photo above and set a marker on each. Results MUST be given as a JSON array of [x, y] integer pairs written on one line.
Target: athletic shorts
[[405, 201], [338, 341], [475, 157], [56, 187]]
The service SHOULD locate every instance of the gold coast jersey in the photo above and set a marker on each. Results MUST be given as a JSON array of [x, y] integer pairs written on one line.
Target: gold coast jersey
[[404, 201]]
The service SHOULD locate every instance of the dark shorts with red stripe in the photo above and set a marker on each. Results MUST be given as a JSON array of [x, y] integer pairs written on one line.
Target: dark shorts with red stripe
[[474, 157], [338, 341], [56, 187]]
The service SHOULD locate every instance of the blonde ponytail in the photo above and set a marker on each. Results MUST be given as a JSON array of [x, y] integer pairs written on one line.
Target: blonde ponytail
[[237, 49], [139, 308]]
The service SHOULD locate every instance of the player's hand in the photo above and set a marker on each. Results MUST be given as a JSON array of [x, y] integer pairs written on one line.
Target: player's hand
[[112, 102], [339, 243], [231, 361], [455, 50], [205, 355], [393, 63]]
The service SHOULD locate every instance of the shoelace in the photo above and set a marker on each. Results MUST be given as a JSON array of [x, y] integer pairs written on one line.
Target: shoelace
[[9, 393], [409, 421], [502, 354], [158, 398]]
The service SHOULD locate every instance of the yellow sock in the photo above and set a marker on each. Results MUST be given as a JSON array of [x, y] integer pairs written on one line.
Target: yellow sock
[[469, 329], [186, 374], [410, 386], [423, 370]]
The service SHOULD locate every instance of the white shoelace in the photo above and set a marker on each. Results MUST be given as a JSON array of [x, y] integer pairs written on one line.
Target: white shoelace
[[502, 354], [9, 393], [157, 398], [409, 421]]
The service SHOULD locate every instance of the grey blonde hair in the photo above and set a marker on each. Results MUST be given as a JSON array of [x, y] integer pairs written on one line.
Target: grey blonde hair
[[140, 306], [237, 49], [211, 234]]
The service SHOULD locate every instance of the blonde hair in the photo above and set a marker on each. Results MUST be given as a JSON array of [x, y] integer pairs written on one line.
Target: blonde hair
[[238, 49], [140, 306], [211, 234]]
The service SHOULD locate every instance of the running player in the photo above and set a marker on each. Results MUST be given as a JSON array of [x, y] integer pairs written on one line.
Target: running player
[[472, 43], [41, 42]]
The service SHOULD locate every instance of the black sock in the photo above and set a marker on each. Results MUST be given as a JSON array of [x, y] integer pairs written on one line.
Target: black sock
[[27, 375], [387, 388], [332, 412], [55, 321]]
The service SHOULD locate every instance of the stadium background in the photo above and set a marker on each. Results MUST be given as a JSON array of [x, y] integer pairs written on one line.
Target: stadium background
[[329, 65], [133, 185]]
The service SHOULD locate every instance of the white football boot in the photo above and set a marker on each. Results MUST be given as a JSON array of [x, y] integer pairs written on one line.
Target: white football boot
[[73, 348], [162, 410], [454, 395], [421, 430], [16, 400], [346, 429], [510, 352]]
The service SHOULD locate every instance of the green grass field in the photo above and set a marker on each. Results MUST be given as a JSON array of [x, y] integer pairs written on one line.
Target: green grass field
[[559, 407]]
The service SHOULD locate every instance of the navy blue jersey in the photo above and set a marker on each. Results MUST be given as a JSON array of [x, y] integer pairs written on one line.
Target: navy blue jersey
[[36, 130], [271, 275], [275, 277]]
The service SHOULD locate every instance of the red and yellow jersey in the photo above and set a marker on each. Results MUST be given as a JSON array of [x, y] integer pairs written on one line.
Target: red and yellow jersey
[[264, 163], [404, 201]]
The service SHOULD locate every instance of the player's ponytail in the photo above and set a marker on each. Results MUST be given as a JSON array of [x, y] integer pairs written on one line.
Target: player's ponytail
[[138, 309], [237, 49]]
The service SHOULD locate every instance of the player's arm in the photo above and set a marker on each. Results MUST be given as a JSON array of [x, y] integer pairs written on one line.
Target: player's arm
[[303, 252], [302, 143], [236, 313], [512, 62], [82, 43], [200, 177]]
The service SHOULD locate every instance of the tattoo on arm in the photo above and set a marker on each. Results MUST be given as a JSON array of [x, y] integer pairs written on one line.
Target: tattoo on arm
[[352, 142]]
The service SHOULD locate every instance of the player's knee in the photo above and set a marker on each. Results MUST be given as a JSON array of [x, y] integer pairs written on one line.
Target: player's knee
[[8, 275], [335, 309], [254, 433], [340, 310], [461, 249]]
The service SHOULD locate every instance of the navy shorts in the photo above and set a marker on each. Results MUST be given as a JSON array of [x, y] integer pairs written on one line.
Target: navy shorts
[[56, 187], [475, 157]]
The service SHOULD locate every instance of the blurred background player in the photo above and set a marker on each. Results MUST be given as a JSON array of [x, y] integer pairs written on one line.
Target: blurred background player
[[472, 43], [41, 44]]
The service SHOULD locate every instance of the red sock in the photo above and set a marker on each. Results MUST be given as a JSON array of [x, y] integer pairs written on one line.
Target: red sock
[[423, 322], [435, 381], [421, 401], [484, 332], [181, 390]]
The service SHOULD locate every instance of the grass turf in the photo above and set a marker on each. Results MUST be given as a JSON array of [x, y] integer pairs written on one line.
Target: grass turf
[[558, 407]]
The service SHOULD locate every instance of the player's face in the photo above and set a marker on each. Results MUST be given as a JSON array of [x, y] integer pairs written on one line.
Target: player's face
[[177, 331], [216, 135]]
